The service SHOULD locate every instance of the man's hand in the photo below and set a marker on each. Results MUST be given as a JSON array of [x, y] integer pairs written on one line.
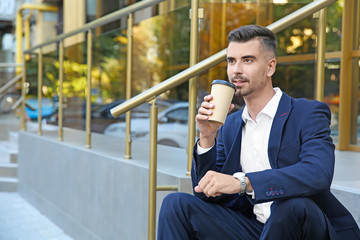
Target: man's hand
[[214, 184], [207, 129]]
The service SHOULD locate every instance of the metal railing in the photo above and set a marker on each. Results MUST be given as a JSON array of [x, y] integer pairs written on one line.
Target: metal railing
[[11, 82], [212, 61], [151, 94], [127, 11], [184, 76]]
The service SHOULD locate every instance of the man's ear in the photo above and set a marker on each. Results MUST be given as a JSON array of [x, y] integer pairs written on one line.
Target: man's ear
[[271, 67]]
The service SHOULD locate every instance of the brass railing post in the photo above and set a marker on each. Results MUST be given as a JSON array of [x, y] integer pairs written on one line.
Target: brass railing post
[[320, 61], [27, 31], [40, 83], [88, 89], [355, 93], [128, 85], [61, 81], [152, 170], [19, 32], [193, 81], [19, 26], [23, 95], [345, 75]]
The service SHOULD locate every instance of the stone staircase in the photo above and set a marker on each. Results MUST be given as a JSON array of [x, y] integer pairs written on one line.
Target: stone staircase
[[8, 163]]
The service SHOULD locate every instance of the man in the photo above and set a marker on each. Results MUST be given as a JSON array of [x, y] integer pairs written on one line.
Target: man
[[266, 173]]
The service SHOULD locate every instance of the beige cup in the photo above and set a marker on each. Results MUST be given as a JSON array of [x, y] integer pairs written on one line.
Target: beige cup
[[222, 92]]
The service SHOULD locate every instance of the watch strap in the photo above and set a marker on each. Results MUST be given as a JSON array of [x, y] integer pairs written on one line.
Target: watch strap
[[241, 177]]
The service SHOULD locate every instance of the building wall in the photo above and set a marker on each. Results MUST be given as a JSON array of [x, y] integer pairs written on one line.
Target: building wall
[[93, 193], [74, 18]]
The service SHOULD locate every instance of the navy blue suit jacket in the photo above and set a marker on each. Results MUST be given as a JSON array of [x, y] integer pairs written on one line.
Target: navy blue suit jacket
[[301, 154]]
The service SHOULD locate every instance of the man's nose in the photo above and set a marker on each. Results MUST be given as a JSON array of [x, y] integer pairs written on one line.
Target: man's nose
[[237, 67]]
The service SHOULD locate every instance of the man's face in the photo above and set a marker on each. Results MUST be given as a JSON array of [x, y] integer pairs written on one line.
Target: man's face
[[250, 67]]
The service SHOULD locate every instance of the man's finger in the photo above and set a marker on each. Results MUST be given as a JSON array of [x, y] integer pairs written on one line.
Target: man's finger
[[208, 98], [198, 189], [232, 106], [204, 111]]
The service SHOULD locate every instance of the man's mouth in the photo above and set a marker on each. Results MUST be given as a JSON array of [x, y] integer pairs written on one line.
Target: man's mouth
[[239, 80]]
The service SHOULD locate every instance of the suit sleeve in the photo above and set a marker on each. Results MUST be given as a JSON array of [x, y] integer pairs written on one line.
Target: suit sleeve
[[311, 170], [216, 159]]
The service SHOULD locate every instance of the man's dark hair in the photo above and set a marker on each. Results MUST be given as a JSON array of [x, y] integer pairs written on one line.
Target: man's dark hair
[[249, 32]]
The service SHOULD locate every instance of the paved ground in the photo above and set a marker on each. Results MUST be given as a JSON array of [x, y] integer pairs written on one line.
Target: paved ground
[[20, 221]]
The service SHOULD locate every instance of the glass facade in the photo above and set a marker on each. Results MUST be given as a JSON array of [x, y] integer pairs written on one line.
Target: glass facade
[[161, 46]]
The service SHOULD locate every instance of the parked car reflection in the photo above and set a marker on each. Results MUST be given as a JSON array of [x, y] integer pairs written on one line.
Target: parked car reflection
[[32, 108], [75, 111], [172, 128]]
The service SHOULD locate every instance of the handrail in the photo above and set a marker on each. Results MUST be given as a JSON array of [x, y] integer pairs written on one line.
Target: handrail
[[152, 93], [17, 104], [168, 84], [10, 83], [127, 11], [214, 60], [100, 21]]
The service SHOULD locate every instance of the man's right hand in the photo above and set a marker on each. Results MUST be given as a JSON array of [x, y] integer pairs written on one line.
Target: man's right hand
[[207, 129]]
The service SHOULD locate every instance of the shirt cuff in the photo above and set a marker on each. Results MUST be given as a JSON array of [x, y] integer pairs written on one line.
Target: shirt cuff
[[251, 193], [200, 150]]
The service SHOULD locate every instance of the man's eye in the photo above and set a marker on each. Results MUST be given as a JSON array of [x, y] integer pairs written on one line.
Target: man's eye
[[231, 61], [247, 60]]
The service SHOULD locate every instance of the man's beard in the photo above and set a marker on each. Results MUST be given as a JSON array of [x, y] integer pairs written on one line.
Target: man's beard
[[241, 91]]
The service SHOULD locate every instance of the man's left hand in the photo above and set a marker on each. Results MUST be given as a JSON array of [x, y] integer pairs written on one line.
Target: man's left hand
[[214, 184]]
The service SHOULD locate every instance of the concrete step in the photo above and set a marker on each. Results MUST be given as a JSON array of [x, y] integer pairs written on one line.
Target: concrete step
[[8, 170], [350, 198], [8, 152], [346, 182], [13, 139], [8, 184]]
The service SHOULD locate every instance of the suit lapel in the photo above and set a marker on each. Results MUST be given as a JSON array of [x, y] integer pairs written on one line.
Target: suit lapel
[[280, 118], [234, 152]]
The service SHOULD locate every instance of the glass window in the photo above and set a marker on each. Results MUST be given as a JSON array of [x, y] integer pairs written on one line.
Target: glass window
[[178, 115], [355, 106]]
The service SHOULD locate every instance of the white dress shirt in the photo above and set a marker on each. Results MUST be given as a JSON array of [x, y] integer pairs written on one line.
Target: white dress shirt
[[254, 146]]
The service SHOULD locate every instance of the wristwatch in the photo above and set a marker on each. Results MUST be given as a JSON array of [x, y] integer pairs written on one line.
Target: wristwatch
[[241, 177]]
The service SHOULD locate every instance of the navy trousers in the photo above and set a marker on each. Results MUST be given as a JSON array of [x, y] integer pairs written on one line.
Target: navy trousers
[[184, 216]]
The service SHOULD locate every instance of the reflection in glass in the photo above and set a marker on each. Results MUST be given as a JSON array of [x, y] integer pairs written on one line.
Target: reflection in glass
[[355, 106], [161, 50]]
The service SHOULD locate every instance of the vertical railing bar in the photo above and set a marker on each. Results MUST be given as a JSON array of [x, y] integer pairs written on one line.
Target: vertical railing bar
[[61, 81], [40, 82], [345, 75], [193, 82], [88, 90], [152, 170], [128, 85], [355, 93], [320, 61], [27, 31], [23, 94]]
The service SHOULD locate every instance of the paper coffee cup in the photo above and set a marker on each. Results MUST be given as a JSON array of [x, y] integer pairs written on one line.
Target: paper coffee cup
[[222, 92]]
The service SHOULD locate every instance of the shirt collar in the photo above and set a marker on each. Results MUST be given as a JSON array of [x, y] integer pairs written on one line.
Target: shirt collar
[[269, 109]]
